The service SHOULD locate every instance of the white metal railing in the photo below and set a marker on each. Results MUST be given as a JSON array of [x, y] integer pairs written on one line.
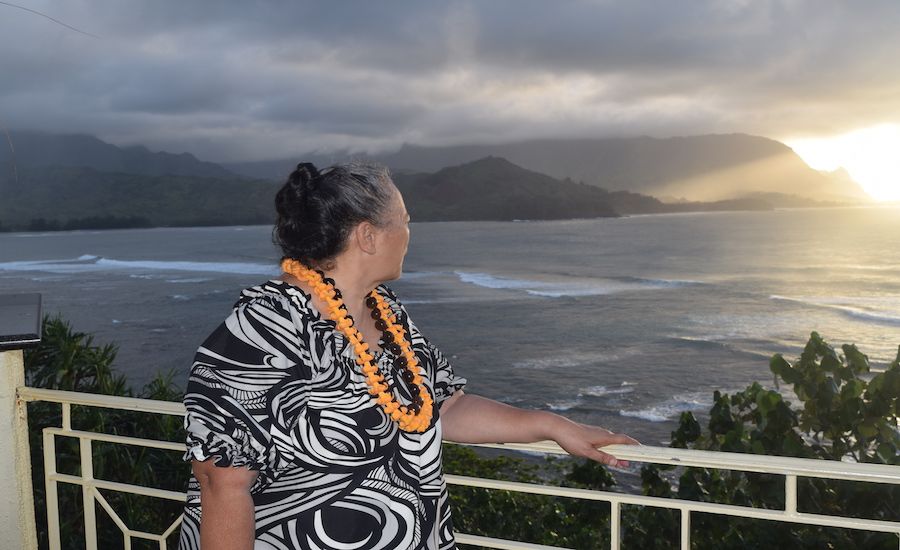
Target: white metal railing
[[91, 486], [790, 468]]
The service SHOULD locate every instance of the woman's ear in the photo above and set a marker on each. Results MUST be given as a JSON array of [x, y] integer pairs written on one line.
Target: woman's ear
[[364, 235]]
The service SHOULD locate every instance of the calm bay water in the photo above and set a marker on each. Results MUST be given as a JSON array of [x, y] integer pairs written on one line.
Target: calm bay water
[[622, 322]]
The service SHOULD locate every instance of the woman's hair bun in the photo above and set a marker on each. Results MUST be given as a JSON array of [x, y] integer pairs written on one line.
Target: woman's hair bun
[[304, 174]]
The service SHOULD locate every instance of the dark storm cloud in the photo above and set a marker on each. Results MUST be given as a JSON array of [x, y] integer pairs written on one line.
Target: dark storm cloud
[[253, 80]]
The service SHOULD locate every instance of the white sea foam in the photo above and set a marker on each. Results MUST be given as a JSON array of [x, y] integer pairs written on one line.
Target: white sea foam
[[600, 391], [564, 405], [876, 309], [511, 399], [662, 283], [672, 408], [489, 281], [569, 286], [576, 359], [89, 263], [181, 297], [417, 275], [559, 361], [237, 268], [189, 280], [724, 341], [848, 267]]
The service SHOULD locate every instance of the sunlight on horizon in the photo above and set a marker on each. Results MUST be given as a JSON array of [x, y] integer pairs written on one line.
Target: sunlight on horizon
[[870, 155]]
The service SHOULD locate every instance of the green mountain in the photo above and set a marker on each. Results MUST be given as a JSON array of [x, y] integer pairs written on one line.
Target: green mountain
[[678, 169], [493, 188], [694, 168], [84, 151], [80, 181], [45, 198], [73, 197]]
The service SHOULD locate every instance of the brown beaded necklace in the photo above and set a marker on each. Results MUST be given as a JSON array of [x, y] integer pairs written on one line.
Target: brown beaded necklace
[[414, 417]]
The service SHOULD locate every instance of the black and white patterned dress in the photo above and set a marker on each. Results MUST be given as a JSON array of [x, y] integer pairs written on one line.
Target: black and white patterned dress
[[275, 387]]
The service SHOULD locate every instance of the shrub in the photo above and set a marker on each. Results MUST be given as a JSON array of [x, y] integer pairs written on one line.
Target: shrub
[[69, 360]]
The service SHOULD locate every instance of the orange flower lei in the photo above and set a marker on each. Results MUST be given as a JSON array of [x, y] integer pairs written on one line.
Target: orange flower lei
[[412, 418]]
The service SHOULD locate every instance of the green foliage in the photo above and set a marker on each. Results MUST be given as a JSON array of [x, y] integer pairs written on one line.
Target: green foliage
[[531, 518], [59, 198], [69, 360], [841, 413]]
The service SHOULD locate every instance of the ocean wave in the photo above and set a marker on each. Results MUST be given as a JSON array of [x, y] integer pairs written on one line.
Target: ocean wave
[[489, 281], [565, 405], [238, 268], [849, 306], [572, 359], [848, 267], [90, 263], [715, 341], [672, 408], [661, 283], [571, 287], [417, 275], [601, 391]]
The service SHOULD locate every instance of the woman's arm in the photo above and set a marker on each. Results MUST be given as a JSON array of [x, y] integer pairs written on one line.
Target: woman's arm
[[227, 521], [473, 419]]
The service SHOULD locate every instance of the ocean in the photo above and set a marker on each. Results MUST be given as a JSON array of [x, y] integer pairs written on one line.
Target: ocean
[[622, 322]]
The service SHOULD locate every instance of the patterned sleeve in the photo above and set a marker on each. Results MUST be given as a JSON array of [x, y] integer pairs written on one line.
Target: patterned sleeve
[[446, 382], [255, 349]]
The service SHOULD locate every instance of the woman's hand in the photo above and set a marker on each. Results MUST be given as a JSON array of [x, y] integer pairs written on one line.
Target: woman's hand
[[582, 440]]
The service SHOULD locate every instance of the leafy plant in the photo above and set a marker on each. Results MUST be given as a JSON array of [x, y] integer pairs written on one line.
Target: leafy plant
[[841, 412], [69, 360]]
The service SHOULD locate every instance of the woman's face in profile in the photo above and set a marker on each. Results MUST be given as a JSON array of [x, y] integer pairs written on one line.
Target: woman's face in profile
[[394, 237]]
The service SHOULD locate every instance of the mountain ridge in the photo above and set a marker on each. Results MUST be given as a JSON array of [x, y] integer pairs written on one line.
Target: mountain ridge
[[700, 168], [165, 189], [33, 148]]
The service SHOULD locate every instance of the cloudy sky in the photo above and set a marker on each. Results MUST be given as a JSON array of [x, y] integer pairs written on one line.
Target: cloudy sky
[[267, 79]]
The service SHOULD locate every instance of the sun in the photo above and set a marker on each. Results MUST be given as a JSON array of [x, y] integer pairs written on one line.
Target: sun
[[871, 156]]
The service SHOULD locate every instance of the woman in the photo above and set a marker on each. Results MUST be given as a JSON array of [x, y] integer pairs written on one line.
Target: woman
[[316, 410]]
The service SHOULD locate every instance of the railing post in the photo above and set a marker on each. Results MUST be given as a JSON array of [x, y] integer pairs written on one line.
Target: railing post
[[87, 493], [685, 529], [615, 525], [17, 529], [19, 327]]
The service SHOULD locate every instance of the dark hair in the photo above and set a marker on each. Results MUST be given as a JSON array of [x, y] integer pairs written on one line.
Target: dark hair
[[318, 210]]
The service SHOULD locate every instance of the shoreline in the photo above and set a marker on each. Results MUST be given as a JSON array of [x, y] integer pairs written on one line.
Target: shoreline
[[89, 230]]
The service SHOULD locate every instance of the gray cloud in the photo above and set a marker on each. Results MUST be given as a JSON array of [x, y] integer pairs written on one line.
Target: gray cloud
[[237, 80]]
